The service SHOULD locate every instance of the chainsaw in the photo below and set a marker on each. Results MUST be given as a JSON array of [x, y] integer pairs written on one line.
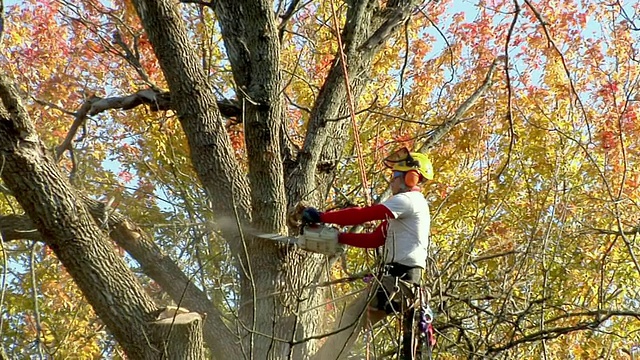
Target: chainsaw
[[318, 238]]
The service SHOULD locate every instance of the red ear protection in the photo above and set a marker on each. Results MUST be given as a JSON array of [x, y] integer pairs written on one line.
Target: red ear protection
[[411, 178]]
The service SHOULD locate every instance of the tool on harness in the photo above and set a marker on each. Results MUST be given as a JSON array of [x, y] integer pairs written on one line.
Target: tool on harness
[[426, 334], [401, 285]]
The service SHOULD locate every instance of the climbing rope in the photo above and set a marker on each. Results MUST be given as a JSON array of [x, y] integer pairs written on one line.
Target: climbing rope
[[352, 109]]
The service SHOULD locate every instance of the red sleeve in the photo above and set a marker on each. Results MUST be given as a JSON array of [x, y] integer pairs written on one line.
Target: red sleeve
[[365, 240], [356, 215]]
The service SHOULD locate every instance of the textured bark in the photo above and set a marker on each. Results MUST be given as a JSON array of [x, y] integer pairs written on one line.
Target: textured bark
[[254, 52], [195, 104], [66, 226], [154, 263], [63, 221], [276, 282], [163, 270], [212, 156], [365, 31], [251, 39], [181, 335], [253, 48]]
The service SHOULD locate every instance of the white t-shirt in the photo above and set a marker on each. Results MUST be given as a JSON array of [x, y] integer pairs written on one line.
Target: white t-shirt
[[408, 234]]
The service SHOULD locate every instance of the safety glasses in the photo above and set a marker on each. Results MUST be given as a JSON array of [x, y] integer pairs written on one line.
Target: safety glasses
[[397, 174]]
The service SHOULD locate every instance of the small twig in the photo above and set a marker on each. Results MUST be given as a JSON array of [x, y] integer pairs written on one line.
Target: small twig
[[457, 117], [512, 135], [544, 25], [36, 308]]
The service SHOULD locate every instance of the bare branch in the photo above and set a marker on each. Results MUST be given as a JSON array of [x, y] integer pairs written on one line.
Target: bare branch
[[94, 105], [132, 57], [288, 14], [544, 23], [512, 135], [631, 231], [154, 263], [552, 333], [458, 116], [155, 99]]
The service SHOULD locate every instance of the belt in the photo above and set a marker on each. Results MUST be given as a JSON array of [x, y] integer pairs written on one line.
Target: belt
[[412, 274]]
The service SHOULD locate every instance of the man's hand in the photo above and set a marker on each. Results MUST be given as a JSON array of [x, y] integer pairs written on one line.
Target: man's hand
[[310, 215], [294, 215]]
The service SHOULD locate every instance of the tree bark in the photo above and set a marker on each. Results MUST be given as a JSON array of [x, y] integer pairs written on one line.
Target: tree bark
[[195, 104], [276, 282], [251, 39], [66, 226], [163, 270], [181, 335]]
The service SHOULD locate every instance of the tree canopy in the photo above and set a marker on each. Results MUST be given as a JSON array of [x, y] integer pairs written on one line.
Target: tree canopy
[[144, 143]]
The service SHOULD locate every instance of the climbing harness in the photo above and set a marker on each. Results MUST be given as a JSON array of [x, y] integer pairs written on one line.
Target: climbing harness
[[410, 300]]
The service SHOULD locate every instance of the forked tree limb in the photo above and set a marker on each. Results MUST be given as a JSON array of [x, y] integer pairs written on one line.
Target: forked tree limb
[[47, 197], [156, 101]]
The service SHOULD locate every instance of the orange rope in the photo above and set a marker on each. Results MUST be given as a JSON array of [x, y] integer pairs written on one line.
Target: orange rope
[[352, 110]]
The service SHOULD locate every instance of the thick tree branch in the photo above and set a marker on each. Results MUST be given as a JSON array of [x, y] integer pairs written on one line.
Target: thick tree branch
[[194, 102], [154, 263], [95, 105], [253, 48], [330, 104], [393, 17], [155, 99], [163, 270], [366, 29], [49, 200]]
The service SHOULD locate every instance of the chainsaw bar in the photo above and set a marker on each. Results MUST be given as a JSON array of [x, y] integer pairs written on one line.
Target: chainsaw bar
[[278, 237]]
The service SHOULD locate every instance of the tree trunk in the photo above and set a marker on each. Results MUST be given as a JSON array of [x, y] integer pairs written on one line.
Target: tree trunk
[[276, 283], [68, 229], [181, 336]]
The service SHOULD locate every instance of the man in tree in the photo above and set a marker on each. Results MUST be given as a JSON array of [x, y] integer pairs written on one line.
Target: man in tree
[[404, 235]]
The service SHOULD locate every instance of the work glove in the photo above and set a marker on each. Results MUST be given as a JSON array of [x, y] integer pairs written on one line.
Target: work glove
[[310, 215]]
